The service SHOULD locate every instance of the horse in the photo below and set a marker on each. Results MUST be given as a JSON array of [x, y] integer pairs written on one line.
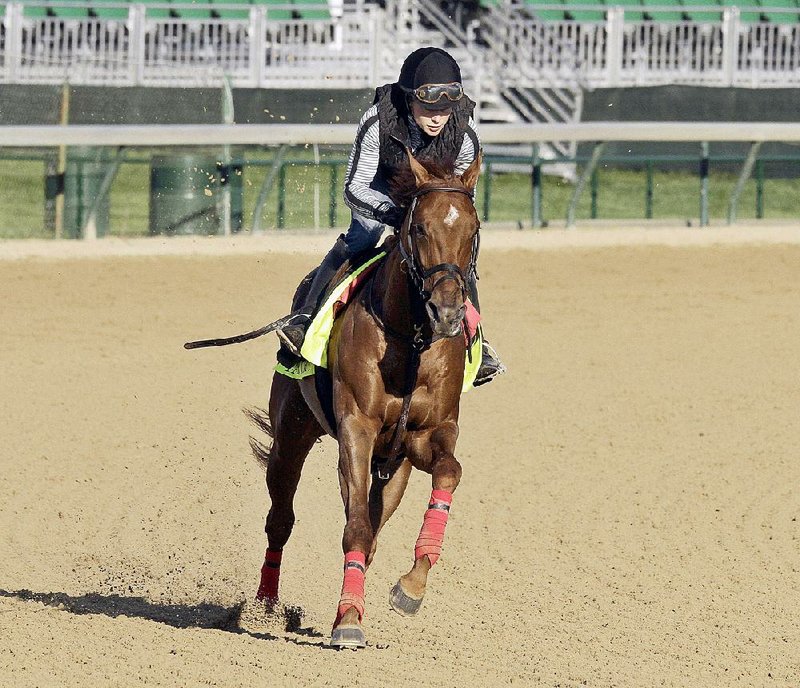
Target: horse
[[396, 361]]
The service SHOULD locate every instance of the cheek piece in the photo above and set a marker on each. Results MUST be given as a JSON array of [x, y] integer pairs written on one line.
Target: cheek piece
[[431, 536]]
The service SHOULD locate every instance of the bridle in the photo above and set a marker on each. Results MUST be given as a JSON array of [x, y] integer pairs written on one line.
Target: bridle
[[410, 256]]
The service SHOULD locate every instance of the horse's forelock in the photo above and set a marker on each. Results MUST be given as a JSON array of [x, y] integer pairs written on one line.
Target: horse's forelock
[[404, 184]]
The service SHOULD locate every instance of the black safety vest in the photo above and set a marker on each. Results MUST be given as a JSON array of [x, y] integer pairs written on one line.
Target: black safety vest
[[442, 149]]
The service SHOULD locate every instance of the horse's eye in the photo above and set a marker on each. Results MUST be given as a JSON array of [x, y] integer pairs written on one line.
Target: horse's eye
[[418, 230]]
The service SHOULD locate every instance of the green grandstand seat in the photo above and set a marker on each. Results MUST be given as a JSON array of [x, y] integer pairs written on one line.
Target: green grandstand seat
[[35, 12], [313, 9], [548, 14], [70, 10], [584, 13], [665, 15], [633, 9], [779, 17], [229, 9], [158, 9], [746, 16], [105, 9], [277, 9], [700, 15], [191, 9]]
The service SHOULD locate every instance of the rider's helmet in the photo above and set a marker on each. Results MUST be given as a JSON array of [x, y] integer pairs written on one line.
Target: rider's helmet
[[432, 77]]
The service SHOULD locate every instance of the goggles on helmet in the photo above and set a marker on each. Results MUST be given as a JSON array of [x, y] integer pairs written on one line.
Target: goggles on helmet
[[433, 93]]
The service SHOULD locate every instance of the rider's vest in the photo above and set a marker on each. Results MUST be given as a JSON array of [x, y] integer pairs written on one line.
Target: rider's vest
[[442, 149]]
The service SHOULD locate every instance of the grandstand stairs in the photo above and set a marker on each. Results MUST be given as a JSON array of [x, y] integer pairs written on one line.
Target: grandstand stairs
[[494, 73]]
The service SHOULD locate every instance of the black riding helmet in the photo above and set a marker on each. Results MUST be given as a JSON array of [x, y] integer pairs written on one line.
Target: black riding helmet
[[432, 77]]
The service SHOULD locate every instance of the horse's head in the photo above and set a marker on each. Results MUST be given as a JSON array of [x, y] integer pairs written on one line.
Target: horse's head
[[439, 242]]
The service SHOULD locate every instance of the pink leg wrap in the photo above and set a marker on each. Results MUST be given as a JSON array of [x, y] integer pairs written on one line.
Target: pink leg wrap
[[431, 535], [355, 567], [270, 573]]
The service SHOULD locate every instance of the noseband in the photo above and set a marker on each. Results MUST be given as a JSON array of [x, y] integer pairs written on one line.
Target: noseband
[[418, 272]]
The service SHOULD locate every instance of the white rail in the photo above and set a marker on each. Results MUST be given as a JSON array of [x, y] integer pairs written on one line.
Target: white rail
[[273, 134]]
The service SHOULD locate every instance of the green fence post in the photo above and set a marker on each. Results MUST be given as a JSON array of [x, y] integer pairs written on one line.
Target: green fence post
[[704, 165], [597, 151], [593, 194], [648, 192], [282, 196], [744, 175], [760, 189], [334, 185], [536, 183], [487, 191]]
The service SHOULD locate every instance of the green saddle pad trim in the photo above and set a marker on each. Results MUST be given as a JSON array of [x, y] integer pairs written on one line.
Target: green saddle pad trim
[[298, 371]]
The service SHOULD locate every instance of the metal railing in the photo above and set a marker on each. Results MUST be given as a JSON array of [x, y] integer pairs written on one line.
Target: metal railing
[[147, 47], [627, 49]]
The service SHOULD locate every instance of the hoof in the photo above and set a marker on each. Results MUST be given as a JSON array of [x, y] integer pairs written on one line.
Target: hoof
[[348, 637], [403, 604]]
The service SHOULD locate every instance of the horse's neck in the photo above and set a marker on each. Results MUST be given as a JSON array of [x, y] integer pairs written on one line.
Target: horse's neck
[[395, 295]]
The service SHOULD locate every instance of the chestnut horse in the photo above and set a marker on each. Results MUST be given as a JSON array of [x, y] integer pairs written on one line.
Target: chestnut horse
[[397, 366]]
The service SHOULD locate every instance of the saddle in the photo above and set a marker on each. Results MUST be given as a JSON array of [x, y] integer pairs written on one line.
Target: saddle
[[321, 336]]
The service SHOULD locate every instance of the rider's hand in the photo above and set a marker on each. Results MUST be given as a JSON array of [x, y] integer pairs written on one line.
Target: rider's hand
[[391, 215]]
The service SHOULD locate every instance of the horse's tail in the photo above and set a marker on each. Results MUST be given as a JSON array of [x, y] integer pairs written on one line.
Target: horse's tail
[[260, 419]]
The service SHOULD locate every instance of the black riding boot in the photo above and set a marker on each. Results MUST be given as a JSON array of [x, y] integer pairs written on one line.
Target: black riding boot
[[490, 363], [306, 304]]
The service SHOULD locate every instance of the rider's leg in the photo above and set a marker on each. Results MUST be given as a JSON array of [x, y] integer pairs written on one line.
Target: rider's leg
[[363, 233], [490, 363]]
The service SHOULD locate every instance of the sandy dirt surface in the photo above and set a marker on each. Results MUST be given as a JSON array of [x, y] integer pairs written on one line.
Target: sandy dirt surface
[[628, 514]]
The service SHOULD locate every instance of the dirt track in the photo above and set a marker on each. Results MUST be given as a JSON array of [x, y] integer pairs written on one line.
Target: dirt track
[[628, 514]]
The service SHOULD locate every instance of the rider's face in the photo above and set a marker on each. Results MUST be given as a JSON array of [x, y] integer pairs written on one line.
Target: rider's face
[[430, 121]]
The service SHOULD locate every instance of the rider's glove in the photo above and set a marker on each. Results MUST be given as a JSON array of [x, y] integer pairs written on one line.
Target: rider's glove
[[390, 215]]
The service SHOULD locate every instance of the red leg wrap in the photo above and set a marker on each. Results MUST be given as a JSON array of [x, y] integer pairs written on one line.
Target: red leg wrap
[[270, 573], [355, 567], [431, 535]]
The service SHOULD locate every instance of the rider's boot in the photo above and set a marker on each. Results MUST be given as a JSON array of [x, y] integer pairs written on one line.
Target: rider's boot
[[293, 334], [491, 366]]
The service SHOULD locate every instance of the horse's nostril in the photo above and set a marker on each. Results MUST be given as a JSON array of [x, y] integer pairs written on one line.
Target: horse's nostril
[[433, 312]]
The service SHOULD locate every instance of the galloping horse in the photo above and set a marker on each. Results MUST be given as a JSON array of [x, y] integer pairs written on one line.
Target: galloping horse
[[396, 361]]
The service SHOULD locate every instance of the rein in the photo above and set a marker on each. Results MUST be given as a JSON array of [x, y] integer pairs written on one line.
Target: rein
[[418, 274]]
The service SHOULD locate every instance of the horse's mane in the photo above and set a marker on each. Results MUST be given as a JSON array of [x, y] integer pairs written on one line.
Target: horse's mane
[[404, 185]]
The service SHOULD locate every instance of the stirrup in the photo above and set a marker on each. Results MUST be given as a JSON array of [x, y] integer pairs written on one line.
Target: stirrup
[[292, 334], [491, 366]]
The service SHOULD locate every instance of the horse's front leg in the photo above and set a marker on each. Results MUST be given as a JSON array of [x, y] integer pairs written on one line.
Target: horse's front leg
[[433, 453], [357, 435]]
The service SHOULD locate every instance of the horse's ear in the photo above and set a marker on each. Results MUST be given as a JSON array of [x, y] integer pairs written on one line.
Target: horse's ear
[[471, 174], [420, 173]]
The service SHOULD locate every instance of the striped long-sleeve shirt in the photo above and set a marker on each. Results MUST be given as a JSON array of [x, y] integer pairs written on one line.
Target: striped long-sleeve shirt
[[362, 167]]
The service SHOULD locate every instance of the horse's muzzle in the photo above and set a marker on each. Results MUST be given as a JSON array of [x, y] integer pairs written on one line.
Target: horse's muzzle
[[446, 320]]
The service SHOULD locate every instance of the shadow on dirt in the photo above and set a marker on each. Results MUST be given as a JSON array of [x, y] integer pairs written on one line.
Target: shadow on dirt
[[204, 615]]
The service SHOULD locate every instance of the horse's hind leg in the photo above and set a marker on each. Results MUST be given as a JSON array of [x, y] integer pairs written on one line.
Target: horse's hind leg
[[294, 430]]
